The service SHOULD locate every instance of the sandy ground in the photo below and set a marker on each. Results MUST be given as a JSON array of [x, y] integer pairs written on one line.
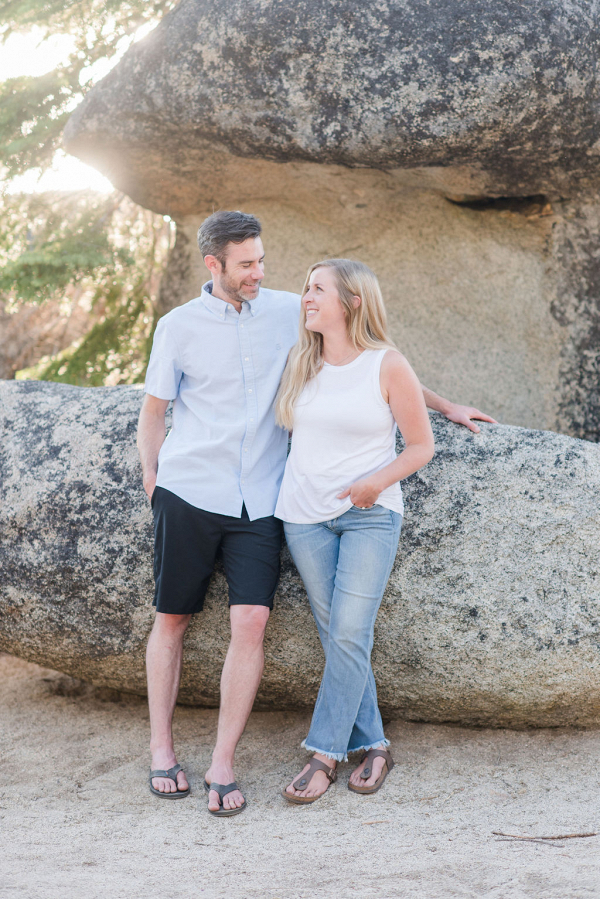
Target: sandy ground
[[78, 820]]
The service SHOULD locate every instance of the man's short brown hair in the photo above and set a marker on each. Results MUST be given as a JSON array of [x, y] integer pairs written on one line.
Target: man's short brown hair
[[222, 228]]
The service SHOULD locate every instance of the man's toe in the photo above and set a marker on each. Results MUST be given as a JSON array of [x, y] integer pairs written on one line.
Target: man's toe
[[234, 800], [182, 783]]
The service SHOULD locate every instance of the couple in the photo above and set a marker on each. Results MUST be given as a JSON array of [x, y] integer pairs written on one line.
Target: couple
[[242, 373]]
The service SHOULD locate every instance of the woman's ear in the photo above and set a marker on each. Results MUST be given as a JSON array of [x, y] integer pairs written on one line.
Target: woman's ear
[[356, 301]]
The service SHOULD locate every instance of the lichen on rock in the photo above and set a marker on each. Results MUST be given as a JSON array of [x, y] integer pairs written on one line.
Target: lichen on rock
[[491, 615], [506, 91]]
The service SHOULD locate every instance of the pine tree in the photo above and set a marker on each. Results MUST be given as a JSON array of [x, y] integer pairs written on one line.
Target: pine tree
[[79, 247]]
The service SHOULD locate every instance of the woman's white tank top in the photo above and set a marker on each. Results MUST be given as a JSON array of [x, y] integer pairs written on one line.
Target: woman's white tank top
[[343, 431]]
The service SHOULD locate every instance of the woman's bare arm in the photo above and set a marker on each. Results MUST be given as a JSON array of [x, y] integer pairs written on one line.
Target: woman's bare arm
[[462, 415]]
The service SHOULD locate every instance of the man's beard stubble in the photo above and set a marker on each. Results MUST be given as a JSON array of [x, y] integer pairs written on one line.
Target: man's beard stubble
[[234, 290]]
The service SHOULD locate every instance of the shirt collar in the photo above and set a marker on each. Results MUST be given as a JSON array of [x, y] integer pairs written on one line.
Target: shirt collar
[[220, 307]]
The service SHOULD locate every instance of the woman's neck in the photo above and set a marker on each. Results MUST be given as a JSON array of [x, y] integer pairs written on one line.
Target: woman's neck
[[338, 348]]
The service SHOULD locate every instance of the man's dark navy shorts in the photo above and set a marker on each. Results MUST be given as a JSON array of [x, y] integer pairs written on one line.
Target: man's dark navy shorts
[[187, 541]]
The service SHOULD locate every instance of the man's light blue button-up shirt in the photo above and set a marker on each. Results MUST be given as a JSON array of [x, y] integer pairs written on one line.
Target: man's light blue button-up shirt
[[222, 369]]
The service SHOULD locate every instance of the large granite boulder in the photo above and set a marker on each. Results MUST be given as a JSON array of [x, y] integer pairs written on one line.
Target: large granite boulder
[[504, 94], [346, 127], [491, 616]]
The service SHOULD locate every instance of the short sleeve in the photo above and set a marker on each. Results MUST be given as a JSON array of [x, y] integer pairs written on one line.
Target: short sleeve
[[164, 368]]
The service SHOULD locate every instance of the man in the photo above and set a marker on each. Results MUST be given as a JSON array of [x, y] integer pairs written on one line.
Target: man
[[220, 358]]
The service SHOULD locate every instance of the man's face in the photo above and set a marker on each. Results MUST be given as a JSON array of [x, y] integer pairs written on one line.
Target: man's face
[[244, 270]]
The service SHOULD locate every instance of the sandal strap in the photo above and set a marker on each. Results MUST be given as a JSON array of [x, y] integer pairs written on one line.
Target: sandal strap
[[171, 773], [371, 754], [313, 766], [223, 790]]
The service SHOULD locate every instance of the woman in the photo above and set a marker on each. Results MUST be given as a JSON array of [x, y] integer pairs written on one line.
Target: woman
[[343, 392]]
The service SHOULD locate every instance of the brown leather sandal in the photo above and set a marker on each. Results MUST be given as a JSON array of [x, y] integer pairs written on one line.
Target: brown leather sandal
[[366, 772], [303, 781]]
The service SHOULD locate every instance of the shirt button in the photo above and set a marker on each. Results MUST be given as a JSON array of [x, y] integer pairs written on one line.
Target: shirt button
[[245, 450], [251, 419], [249, 390], [246, 359]]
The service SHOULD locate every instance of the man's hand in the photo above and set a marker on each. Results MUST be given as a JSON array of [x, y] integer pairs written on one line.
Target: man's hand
[[150, 483], [463, 415], [363, 493]]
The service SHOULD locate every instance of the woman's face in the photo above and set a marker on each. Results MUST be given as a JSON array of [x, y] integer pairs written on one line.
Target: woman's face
[[322, 306]]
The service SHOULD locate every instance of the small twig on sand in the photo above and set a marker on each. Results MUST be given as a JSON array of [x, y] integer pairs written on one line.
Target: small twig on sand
[[375, 822], [549, 844], [562, 836]]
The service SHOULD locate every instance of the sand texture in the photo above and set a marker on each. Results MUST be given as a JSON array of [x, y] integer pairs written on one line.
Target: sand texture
[[77, 818]]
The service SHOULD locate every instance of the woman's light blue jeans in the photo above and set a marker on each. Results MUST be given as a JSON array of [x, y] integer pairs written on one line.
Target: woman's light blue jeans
[[345, 564]]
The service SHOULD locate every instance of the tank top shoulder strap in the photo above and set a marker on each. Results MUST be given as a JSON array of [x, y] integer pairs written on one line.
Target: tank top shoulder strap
[[378, 356]]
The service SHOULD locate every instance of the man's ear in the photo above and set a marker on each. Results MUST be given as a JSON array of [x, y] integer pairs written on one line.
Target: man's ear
[[212, 264], [357, 301]]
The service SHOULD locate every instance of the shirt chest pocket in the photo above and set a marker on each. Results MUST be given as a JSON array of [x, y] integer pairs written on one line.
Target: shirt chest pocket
[[268, 361], [209, 369]]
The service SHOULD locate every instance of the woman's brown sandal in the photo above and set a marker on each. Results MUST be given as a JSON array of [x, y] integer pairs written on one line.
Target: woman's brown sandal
[[303, 781], [367, 770]]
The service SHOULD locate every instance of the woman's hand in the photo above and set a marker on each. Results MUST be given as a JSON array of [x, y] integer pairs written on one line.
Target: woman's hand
[[363, 493], [463, 415]]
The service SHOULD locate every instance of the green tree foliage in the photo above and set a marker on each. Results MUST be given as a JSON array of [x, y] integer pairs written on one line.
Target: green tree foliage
[[107, 248], [33, 110], [51, 242], [112, 251]]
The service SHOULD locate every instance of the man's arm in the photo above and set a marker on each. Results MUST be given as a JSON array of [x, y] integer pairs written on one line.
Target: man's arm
[[150, 437], [462, 415]]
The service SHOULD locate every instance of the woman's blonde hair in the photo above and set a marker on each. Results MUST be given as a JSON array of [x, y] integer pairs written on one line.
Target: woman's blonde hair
[[367, 329]]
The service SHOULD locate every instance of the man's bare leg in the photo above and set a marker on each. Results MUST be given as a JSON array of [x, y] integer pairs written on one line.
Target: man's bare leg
[[240, 679], [163, 666]]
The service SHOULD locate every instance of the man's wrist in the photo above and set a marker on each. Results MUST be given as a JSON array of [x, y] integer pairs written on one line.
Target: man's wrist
[[149, 476]]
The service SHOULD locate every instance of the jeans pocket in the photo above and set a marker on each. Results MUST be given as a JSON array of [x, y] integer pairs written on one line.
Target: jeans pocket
[[396, 519]]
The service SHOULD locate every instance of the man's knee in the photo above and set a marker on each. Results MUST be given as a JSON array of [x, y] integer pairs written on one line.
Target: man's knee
[[248, 623], [170, 625]]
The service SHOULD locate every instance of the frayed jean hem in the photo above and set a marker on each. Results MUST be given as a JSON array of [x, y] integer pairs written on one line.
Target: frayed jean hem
[[343, 756], [334, 756], [378, 744]]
